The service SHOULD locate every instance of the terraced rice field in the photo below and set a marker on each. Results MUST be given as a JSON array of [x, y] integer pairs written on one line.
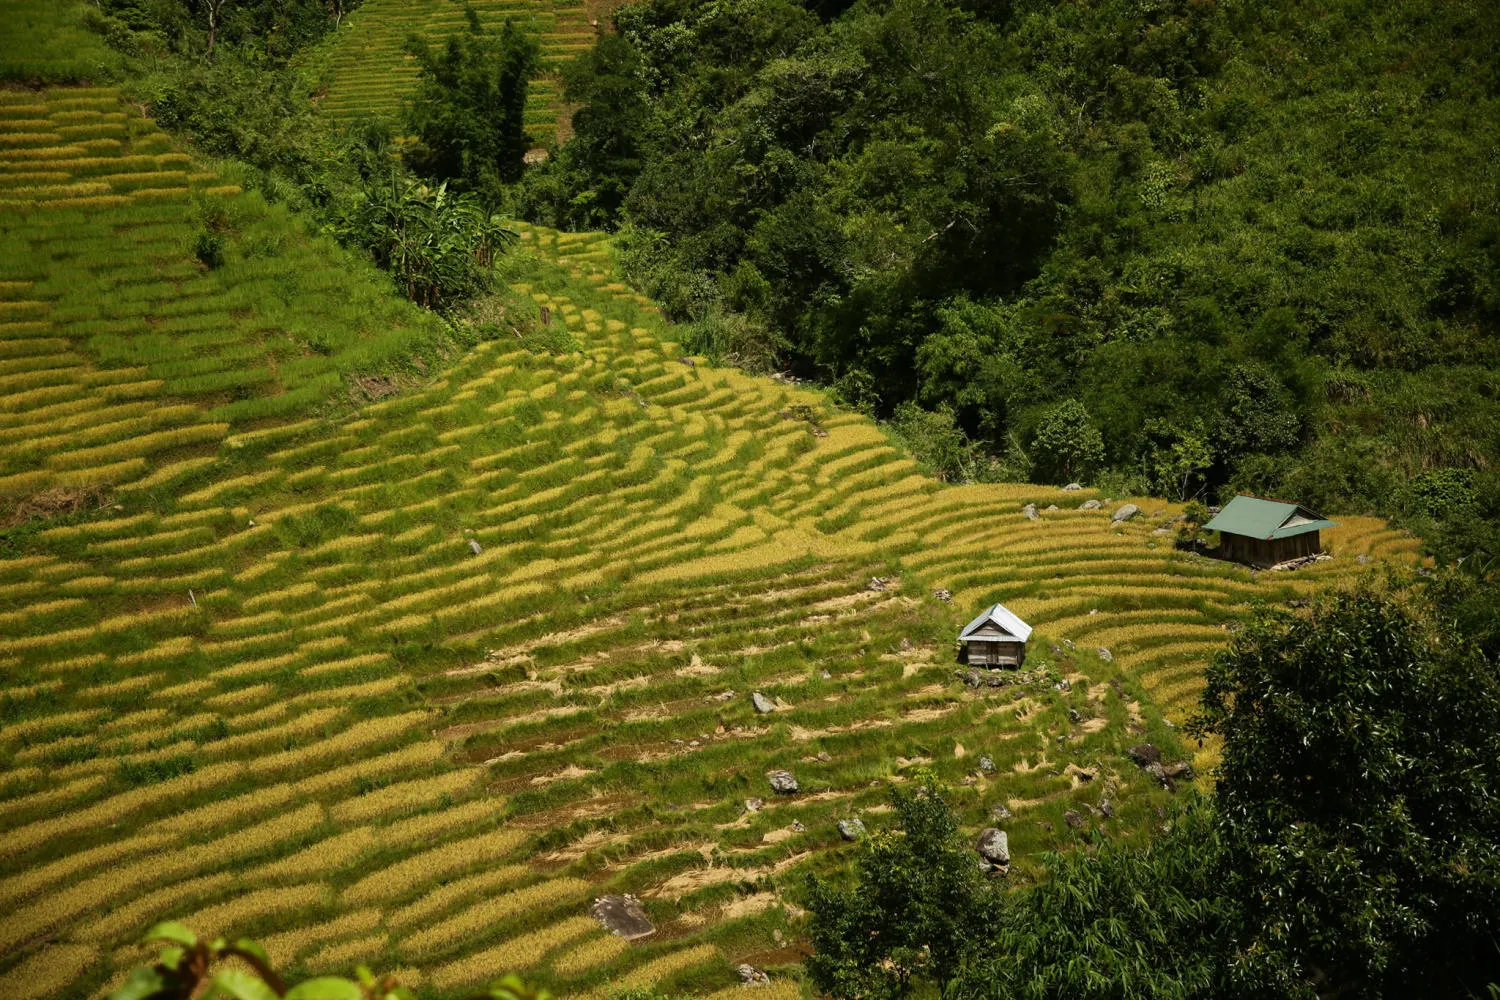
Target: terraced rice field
[[117, 345], [413, 685], [369, 73]]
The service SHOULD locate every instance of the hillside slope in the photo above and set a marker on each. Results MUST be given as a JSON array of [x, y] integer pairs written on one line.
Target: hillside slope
[[412, 685], [371, 75], [149, 306]]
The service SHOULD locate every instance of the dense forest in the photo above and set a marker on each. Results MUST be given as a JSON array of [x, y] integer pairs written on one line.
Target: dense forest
[[1179, 246]]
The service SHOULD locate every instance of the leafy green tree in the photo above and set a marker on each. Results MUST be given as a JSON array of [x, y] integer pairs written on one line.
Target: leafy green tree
[[1357, 802], [917, 907], [1116, 923], [439, 246], [1066, 444], [469, 112]]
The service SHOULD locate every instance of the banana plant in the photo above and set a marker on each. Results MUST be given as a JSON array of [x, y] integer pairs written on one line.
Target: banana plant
[[185, 969]]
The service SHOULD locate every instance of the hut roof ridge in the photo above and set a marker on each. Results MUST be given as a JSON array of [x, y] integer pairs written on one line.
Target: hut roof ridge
[[1002, 616], [1256, 517]]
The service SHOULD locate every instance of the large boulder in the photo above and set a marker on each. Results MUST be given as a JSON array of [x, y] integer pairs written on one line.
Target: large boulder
[[623, 917], [1125, 513], [1180, 771], [851, 829], [1030, 511], [994, 846], [782, 782]]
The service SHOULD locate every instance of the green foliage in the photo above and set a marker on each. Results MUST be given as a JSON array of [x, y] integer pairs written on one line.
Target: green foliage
[[468, 115], [1356, 801], [1254, 275], [184, 969], [439, 246], [917, 908], [1067, 445], [935, 440]]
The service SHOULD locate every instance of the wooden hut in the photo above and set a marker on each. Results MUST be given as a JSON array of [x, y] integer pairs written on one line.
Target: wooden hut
[[1266, 532], [997, 638]]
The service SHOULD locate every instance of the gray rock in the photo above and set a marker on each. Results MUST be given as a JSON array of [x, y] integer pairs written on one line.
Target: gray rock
[[994, 846], [1180, 771], [782, 782], [722, 696], [1072, 486], [1075, 716], [877, 583], [823, 756], [1106, 655], [754, 805], [995, 680], [763, 705], [986, 764], [1090, 505], [1000, 811], [797, 826], [942, 594], [1106, 808], [1144, 754], [623, 917], [1051, 507], [475, 547], [751, 976], [851, 829], [1125, 513], [1030, 511], [974, 678], [826, 676], [1073, 819], [1159, 773]]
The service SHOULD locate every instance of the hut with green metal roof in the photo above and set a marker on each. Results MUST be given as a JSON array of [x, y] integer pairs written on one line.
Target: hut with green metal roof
[[1266, 532]]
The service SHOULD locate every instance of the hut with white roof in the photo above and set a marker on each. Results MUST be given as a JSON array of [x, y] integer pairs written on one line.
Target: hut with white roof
[[997, 638]]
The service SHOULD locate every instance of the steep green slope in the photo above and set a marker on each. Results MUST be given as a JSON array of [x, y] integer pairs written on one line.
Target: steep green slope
[[149, 306]]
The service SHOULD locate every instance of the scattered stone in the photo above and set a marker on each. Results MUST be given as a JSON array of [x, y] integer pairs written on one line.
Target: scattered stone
[[986, 763], [1298, 602], [782, 782], [1125, 513], [1106, 808], [851, 829], [907, 645], [1180, 771], [1214, 510], [1161, 531], [995, 680], [1030, 511], [687, 361], [823, 756], [1071, 487], [1050, 507], [1362, 559], [754, 805], [252, 523], [1056, 649], [1063, 685], [763, 705], [751, 976], [974, 678], [1159, 773], [475, 547], [1106, 655], [797, 826], [1074, 716], [878, 583], [943, 594], [694, 743], [1089, 505], [1144, 754], [1073, 819], [1298, 563], [722, 696], [1000, 811], [623, 916], [994, 846], [826, 676]]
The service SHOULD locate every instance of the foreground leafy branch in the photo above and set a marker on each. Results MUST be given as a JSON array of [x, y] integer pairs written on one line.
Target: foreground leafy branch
[[182, 971]]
